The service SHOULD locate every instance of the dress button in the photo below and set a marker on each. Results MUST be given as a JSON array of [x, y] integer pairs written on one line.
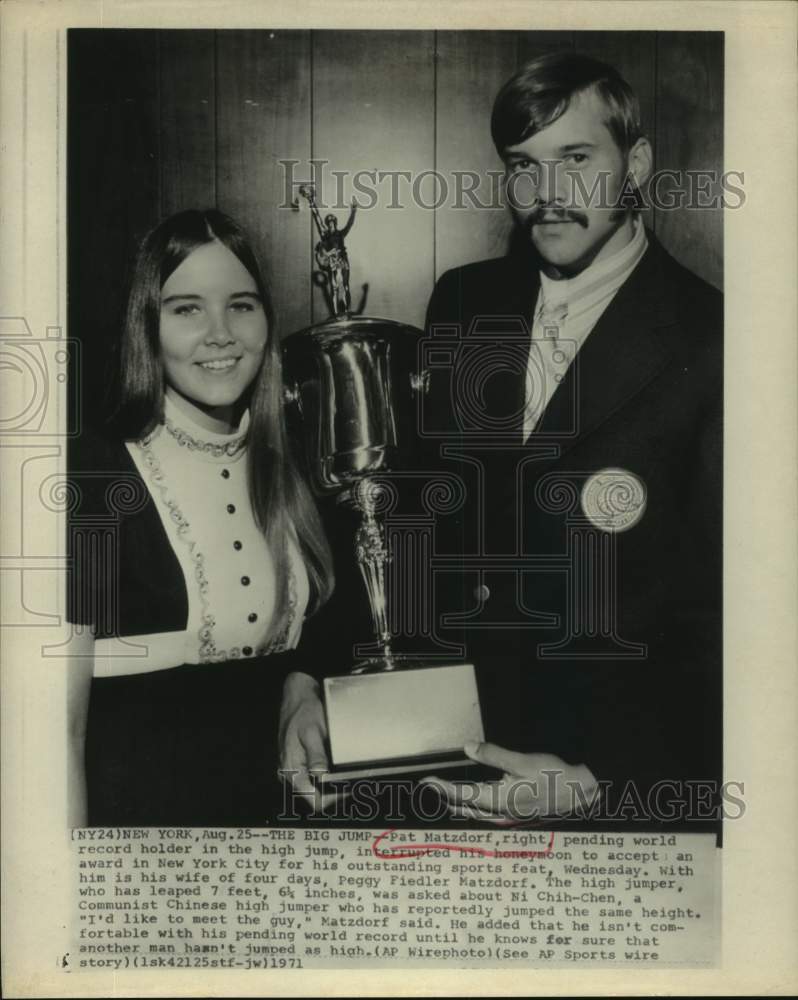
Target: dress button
[[231, 508], [252, 617], [225, 473], [482, 593], [245, 581], [247, 650], [237, 545]]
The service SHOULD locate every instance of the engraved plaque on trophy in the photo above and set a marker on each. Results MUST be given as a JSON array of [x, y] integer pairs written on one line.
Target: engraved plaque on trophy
[[352, 380]]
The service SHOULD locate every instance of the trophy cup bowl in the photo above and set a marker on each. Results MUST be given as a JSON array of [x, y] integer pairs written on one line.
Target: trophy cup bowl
[[352, 381], [340, 374]]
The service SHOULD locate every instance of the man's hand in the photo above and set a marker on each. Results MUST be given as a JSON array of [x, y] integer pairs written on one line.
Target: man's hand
[[533, 786], [303, 739]]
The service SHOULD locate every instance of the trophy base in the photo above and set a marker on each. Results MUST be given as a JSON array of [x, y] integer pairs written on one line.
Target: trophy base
[[402, 721]]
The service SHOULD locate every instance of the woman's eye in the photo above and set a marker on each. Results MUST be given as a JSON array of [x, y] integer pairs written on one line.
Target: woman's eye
[[242, 307], [186, 310]]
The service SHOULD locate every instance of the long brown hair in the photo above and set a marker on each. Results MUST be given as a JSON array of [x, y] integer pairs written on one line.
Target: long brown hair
[[281, 501]]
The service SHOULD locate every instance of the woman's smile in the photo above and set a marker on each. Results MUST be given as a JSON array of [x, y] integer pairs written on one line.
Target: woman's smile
[[218, 365], [213, 334]]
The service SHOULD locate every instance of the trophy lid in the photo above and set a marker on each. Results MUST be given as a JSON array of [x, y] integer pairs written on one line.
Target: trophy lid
[[348, 327]]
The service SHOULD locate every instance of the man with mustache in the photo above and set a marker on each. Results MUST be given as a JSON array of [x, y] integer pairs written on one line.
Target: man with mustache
[[589, 445], [580, 405]]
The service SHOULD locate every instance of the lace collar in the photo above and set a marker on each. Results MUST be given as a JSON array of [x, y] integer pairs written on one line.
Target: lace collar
[[189, 435]]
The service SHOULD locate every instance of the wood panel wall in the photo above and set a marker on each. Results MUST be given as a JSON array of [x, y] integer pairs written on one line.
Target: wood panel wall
[[164, 120]]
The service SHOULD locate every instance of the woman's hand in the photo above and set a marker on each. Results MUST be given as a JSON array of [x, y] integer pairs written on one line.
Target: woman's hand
[[303, 739], [534, 786]]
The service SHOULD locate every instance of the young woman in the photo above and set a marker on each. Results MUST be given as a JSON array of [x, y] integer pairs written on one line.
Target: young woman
[[196, 548]]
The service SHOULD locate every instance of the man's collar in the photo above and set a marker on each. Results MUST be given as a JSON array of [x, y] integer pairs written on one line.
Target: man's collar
[[611, 270], [624, 352]]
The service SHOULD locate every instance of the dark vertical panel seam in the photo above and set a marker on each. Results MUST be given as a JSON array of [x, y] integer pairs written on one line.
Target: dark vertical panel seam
[[311, 106], [656, 124], [214, 90], [58, 166], [722, 67], [435, 151], [159, 90]]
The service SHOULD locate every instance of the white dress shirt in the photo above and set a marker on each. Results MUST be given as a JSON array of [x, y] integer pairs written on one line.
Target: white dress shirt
[[565, 313]]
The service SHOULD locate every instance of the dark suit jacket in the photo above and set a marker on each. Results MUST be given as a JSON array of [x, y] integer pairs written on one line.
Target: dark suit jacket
[[620, 670]]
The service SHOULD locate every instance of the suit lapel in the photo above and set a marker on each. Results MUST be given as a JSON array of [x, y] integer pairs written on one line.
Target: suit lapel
[[622, 354], [507, 315]]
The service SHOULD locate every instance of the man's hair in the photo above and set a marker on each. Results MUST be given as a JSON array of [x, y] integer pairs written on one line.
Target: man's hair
[[542, 90]]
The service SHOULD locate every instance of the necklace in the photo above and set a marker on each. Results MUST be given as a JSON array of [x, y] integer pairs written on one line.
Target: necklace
[[185, 440]]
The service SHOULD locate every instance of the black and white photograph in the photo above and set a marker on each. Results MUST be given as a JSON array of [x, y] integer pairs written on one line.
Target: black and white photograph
[[391, 462], [489, 268]]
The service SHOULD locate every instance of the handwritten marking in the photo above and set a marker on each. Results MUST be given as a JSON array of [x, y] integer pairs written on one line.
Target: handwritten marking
[[415, 851]]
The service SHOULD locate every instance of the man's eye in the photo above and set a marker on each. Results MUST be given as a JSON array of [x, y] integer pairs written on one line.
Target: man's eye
[[577, 158], [520, 165]]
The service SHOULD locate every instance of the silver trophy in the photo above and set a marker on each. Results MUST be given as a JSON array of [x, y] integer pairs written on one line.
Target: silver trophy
[[352, 380]]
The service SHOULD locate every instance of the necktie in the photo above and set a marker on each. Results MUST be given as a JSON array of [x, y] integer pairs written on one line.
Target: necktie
[[547, 329]]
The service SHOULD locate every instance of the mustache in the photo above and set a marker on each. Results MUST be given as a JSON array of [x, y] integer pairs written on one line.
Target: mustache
[[544, 214]]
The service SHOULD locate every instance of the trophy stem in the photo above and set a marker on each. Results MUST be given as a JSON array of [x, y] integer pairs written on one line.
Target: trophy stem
[[372, 556]]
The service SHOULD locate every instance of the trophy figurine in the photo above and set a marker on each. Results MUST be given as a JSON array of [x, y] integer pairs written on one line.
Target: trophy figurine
[[331, 253], [351, 379]]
